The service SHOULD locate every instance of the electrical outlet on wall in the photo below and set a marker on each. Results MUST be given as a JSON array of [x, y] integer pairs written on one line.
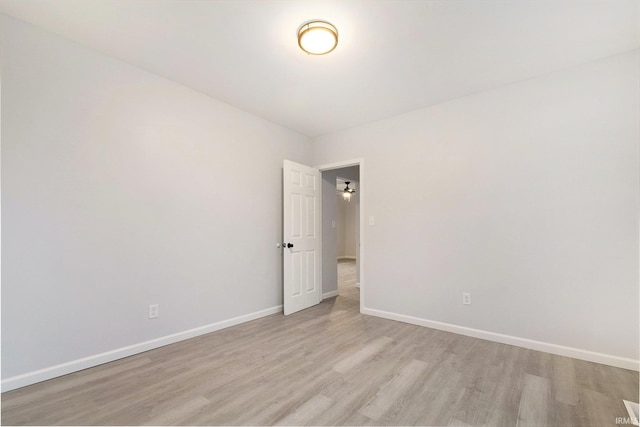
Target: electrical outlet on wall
[[466, 298], [153, 311]]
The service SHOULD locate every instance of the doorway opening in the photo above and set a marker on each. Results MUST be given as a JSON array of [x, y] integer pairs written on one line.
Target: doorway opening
[[342, 254], [346, 228]]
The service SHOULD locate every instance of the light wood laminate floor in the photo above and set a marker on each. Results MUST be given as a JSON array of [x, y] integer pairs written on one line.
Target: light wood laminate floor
[[330, 365]]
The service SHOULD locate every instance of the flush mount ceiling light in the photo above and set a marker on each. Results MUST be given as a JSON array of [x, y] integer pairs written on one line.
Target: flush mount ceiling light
[[317, 37]]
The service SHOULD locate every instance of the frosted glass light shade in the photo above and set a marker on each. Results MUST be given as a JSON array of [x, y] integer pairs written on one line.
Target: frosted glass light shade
[[317, 37]]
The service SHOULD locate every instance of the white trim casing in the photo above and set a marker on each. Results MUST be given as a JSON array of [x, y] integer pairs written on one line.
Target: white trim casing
[[576, 353], [109, 356]]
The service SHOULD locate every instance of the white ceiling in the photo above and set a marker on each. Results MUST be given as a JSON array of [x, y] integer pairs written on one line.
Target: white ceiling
[[393, 56]]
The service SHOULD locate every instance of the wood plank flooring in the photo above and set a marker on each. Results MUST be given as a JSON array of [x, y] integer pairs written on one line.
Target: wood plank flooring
[[330, 365]]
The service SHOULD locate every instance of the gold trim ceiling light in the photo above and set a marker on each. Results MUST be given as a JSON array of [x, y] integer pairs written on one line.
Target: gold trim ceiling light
[[317, 37]]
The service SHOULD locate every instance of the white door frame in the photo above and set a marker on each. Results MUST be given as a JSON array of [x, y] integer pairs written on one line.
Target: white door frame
[[345, 164]]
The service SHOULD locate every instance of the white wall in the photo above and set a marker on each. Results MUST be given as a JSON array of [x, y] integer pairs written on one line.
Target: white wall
[[346, 226], [122, 189], [340, 224], [350, 225], [526, 196]]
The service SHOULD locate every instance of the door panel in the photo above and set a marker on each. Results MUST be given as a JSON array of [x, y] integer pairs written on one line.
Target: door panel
[[311, 216], [311, 268]]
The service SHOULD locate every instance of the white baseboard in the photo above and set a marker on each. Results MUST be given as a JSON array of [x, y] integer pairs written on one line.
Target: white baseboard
[[109, 356], [330, 295], [347, 257], [576, 353]]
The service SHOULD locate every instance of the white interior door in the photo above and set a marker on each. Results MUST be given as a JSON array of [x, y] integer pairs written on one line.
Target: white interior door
[[302, 236]]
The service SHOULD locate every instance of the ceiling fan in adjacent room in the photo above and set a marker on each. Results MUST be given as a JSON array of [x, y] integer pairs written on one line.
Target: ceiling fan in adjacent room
[[348, 192]]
